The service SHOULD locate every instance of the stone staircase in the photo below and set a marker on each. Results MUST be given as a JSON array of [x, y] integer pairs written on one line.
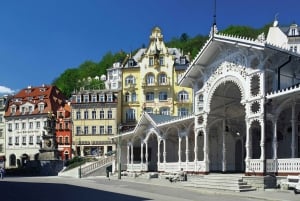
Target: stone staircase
[[226, 182]]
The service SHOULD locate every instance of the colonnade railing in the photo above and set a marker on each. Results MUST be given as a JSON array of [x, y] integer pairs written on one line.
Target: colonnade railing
[[253, 166], [88, 169]]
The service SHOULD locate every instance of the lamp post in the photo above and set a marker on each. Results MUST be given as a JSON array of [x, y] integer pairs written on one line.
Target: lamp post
[[119, 151]]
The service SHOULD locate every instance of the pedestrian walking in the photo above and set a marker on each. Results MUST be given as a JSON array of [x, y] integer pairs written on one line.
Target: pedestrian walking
[[2, 172]]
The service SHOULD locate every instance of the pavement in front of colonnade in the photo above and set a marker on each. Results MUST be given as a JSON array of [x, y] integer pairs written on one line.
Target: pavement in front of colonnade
[[100, 188]]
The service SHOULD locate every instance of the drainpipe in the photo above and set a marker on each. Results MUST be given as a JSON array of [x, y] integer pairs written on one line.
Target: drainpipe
[[278, 71]]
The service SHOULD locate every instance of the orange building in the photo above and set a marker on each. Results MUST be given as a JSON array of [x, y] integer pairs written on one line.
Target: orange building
[[64, 132]]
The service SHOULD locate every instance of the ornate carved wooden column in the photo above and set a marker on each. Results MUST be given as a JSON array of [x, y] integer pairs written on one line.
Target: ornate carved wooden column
[[128, 152], [142, 153], [146, 154], [179, 149], [206, 148], [274, 142], [164, 151], [293, 122], [224, 146], [262, 139], [187, 148], [158, 151], [196, 146]]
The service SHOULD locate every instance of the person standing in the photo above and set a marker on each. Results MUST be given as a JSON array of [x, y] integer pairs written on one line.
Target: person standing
[[2, 172]]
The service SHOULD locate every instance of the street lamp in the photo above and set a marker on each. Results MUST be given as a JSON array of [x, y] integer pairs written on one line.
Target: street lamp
[[119, 151]]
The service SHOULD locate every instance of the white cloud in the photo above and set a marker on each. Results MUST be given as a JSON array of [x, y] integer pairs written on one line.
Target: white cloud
[[6, 90]]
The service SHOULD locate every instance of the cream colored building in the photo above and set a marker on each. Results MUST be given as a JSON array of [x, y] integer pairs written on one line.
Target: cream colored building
[[95, 120], [149, 80]]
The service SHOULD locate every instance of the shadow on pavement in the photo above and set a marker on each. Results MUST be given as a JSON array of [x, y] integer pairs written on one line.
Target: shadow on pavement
[[15, 191]]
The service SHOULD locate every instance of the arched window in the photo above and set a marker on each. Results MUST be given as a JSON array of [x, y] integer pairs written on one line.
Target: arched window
[[183, 96], [129, 80], [127, 97], [150, 79], [12, 160], [162, 79]]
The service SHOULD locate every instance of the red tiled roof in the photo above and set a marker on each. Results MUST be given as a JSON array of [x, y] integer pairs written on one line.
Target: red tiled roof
[[50, 95]]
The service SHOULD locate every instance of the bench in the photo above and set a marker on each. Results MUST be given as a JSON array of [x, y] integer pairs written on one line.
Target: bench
[[290, 182]]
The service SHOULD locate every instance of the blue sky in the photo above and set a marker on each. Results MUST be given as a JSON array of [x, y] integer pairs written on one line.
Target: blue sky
[[40, 39]]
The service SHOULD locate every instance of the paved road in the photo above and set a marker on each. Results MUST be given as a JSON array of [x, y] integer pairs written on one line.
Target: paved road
[[92, 189]]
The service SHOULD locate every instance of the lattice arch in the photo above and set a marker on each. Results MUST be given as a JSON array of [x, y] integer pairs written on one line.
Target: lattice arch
[[218, 82]]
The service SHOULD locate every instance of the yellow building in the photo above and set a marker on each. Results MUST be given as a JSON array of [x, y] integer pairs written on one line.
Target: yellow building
[[95, 120], [150, 82]]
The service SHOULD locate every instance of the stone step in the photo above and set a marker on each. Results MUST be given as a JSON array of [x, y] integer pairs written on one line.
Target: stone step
[[219, 182]]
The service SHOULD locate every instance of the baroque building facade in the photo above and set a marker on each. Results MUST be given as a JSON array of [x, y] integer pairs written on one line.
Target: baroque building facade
[[150, 82], [94, 121], [3, 101], [64, 132], [25, 120], [246, 117]]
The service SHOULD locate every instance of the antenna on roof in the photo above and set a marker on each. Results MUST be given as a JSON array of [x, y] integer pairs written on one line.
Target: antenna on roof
[[215, 13], [214, 29]]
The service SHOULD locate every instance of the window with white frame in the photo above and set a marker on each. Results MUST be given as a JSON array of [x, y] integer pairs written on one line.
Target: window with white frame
[[94, 98], [78, 115], [163, 96], [129, 80], [109, 114], [86, 114], [10, 141], [1, 133], [30, 125], [16, 126], [183, 96], [23, 125], [151, 61], [150, 79], [165, 111], [9, 127], [30, 109], [93, 130], [13, 110], [101, 130], [109, 129], [130, 115], [101, 114], [162, 78], [150, 96], [85, 98], [17, 141], [94, 114], [161, 61], [23, 140], [183, 111], [78, 130], [38, 124], [101, 97], [86, 130], [30, 139], [133, 97], [109, 98], [149, 110], [38, 139], [127, 97], [41, 107], [78, 99]]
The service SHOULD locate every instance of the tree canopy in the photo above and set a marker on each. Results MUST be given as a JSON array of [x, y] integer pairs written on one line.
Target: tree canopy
[[70, 78]]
